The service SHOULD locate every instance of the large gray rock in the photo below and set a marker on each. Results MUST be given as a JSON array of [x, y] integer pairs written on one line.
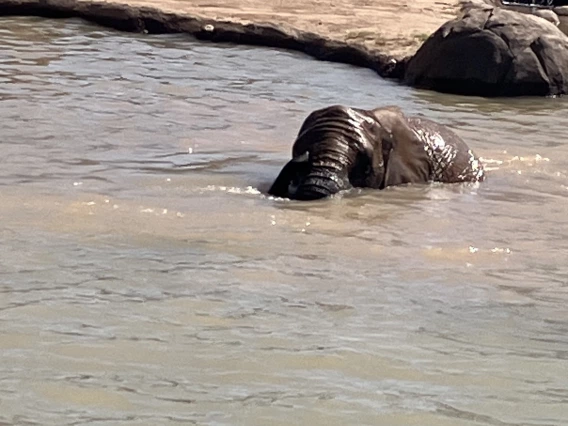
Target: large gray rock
[[491, 51]]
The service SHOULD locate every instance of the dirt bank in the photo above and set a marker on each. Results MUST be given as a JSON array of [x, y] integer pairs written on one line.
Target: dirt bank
[[362, 32], [394, 27]]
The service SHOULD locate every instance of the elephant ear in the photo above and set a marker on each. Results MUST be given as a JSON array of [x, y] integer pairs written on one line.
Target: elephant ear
[[406, 160]]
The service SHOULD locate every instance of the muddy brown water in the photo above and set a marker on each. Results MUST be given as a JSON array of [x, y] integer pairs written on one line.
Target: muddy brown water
[[145, 279]]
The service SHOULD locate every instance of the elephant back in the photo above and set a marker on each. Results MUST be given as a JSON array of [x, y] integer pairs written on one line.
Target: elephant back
[[451, 160]]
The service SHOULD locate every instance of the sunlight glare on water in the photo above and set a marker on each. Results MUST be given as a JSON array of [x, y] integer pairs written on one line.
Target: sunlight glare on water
[[146, 280]]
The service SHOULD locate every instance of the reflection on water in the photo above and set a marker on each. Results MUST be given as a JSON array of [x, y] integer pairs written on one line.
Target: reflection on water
[[146, 280]]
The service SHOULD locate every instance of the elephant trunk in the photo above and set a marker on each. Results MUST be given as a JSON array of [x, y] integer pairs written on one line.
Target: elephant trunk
[[319, 183], [328, 172]]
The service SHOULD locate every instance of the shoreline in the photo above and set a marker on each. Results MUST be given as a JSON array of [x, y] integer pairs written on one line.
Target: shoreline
[[137, 17]]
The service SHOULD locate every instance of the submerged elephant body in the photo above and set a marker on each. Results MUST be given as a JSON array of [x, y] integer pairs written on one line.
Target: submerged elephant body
[[340, 147]]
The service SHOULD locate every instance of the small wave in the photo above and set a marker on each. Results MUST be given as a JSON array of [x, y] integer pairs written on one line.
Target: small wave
[[515, 161], [231, 189]]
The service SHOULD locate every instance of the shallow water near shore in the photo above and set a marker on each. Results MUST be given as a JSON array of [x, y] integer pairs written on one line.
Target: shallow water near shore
[[146, 280]]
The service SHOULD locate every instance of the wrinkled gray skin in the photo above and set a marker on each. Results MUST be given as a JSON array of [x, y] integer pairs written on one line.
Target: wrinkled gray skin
[[340, 147]]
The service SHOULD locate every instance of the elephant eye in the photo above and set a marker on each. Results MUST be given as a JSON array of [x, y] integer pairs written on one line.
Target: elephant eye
[[386, 149]]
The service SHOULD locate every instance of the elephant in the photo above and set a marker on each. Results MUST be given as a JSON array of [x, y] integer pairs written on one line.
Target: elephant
[[340, 147]]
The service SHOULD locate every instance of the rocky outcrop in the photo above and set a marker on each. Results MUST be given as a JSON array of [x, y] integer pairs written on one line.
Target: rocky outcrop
[[491, 51], [151, 20]]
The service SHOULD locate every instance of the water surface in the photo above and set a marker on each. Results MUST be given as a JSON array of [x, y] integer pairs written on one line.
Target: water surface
[[146, 280]]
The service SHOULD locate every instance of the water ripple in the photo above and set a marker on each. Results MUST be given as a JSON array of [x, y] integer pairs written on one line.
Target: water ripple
[[146, 279]]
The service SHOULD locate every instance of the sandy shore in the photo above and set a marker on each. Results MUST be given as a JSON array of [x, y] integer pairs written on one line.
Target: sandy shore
[[395, 28]]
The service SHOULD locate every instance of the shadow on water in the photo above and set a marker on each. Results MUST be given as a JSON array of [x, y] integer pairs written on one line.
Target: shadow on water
[[146, 279]]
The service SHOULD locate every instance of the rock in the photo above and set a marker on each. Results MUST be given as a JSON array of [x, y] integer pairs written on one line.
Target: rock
[[547, 14], [491, 51]]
